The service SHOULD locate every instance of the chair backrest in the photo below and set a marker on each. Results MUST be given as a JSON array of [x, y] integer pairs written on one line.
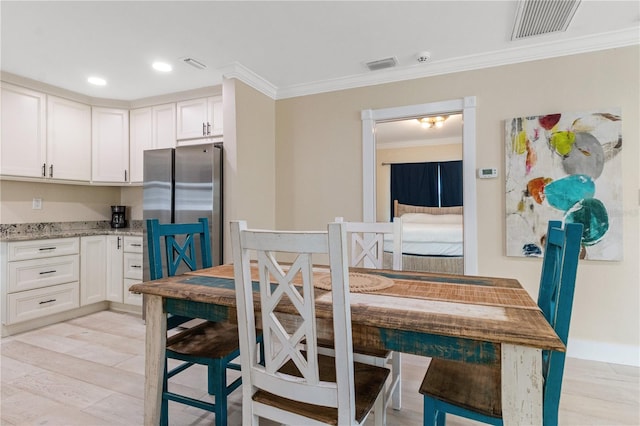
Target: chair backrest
[[555, 299], [367, 242], [282, 342], [179, 246]]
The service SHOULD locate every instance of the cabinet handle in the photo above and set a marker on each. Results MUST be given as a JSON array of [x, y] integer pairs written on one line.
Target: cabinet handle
[[44, 169], [47, 301], [136, 245], [48, 272], [125, 175], [204, 129], [136, 266], [51, 170], [208, 128], [118, 243], [46, 248]]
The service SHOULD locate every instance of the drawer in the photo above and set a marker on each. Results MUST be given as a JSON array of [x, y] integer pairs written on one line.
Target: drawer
[[131, 298], [38, 249], [133, 244], [38, 273], [30, 304], [133, 266]]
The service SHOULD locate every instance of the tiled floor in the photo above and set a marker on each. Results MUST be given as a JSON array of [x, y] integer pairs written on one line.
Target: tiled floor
[[90, 371]]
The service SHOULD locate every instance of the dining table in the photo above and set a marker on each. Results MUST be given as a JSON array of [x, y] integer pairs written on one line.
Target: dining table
[[468, 318]]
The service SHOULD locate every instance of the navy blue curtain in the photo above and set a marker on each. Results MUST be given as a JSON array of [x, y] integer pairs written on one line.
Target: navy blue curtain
[[451, 183], [415, 184], [434, 184]]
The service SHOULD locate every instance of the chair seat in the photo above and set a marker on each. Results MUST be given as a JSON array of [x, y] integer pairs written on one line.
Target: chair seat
[[475, 387], [208, 339], [369, 382]]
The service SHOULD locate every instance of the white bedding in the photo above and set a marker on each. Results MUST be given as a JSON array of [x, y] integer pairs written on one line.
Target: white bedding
[[429, 239]]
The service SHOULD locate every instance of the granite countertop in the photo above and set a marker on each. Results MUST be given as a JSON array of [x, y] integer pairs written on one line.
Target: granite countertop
[[46, 230]]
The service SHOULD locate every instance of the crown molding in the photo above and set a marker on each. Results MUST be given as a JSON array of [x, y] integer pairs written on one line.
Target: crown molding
[[529, 52], [244, 74]]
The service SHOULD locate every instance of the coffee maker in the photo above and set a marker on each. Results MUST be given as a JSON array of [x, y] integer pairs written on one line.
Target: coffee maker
[[118, 216]]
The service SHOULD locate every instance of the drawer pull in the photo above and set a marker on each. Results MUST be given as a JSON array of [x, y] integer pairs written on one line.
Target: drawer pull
[[136, 266], [47, 301], [46, 248], [48, 272], [136, 245]]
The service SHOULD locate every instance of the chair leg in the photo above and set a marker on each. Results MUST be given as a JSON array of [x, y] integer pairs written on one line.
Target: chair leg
[[396, 371], [164, 406], [429, 412], [379, 411], [218, 387]]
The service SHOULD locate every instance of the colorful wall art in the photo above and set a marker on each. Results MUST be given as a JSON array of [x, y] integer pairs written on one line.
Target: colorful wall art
[[567, 167]]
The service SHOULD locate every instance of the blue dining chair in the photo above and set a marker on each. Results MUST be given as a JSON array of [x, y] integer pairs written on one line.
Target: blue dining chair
[[208, 343], [473, 390]]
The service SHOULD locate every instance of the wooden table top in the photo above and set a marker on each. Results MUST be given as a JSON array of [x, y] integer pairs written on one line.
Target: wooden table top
[[487, 309]]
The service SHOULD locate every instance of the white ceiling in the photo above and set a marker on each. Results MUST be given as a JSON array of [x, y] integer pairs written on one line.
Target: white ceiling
[[286, 48]]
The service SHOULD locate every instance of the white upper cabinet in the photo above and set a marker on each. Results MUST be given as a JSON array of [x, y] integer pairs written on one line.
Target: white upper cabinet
[[22, 127], [150, 128], [164, 126], [199, 118], [68, 140], [110, 142]]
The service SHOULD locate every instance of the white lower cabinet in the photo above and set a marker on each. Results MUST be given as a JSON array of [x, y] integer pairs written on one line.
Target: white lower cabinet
[[39, 278], [124, 268], [93, 269], [115, 248], [132, 272], [45, 277]]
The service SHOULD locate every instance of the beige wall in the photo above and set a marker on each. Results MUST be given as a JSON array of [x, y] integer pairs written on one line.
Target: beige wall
[[60, 203], [416, 154], [319, 171], [249, 163]]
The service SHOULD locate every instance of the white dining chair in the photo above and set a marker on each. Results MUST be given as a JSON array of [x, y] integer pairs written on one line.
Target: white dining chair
[[297, 385], [367, 250]]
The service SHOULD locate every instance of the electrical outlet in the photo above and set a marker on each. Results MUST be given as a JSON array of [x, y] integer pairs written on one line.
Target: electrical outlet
[[37, 204]]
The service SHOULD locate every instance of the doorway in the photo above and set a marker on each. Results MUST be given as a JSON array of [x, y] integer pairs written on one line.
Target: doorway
[[465, 106]]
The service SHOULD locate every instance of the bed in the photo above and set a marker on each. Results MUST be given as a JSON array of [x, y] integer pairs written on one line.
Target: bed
[[432, 238]]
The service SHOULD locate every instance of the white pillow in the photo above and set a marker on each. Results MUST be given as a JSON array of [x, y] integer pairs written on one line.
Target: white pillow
[[432, 218]]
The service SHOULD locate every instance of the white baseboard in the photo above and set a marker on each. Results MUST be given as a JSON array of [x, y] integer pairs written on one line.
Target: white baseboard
[[604, 352]]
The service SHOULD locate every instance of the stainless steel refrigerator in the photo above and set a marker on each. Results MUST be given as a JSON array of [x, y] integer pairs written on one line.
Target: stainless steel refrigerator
[[182, 185]]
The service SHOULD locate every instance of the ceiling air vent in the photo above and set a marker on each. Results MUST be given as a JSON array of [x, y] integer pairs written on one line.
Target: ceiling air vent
[[537, 17], [381, 64], [194, 63]]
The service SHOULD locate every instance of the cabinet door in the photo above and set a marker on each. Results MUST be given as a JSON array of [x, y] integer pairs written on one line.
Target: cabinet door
[[115, 249], [68, 140], [164, 126], [110, 142], [192, 117], [215, 114], [93, 273], [22, 132], [141, 138]]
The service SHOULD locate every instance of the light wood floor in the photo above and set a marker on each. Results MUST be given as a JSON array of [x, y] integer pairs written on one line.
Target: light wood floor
[[90, 371]]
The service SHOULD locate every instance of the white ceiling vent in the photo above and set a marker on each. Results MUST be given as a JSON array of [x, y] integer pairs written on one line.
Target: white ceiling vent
[[537, 17], [381, 64]]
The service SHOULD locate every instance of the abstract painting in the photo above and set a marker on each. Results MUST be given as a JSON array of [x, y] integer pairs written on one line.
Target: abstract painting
[[565, 166]]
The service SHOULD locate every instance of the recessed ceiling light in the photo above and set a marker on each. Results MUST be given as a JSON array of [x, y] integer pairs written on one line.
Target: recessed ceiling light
[[162, 66], [97, 81]]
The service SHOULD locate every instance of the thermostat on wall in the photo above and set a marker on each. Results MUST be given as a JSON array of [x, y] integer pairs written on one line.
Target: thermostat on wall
[[488, 173]]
